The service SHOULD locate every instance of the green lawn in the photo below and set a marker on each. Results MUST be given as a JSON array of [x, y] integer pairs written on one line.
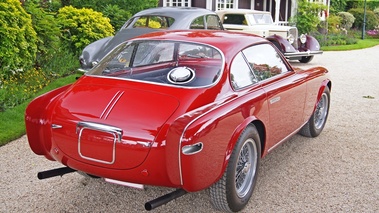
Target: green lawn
[[12, 124]]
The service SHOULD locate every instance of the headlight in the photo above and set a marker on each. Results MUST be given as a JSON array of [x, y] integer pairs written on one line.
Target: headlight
[[94, 63], [303, 38], [291, 39]]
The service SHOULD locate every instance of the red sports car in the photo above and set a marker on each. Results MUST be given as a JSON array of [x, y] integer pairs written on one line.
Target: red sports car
[[188, 109]]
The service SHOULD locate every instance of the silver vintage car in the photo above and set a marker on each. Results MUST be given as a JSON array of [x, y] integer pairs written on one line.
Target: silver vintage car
[[146, 21], [285, 38]]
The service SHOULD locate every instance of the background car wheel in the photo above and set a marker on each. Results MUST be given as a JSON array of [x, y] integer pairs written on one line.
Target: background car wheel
[[306, 59], [316, 123], [233, 191]]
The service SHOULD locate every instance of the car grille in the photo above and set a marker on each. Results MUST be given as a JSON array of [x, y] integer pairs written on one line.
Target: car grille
[[293, 32]]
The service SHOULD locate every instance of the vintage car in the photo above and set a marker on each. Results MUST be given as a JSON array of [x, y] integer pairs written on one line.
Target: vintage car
[[154, 19], [187, 109], [285, 38]]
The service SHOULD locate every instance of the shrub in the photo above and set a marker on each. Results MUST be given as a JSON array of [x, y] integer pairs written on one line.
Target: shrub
[[338, 5], [48, 32], [307, 18], [334, 23], [81, 27], [17, 38], [132, 6], [371, 19], [117, 15], [347, 20], [335, 39]]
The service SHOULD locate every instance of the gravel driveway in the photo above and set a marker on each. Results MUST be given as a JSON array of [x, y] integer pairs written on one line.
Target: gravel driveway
[[335, 172]]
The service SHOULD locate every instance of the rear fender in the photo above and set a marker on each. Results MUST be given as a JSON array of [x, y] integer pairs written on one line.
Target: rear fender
[[202, 169], [38, 122], [324, 84]]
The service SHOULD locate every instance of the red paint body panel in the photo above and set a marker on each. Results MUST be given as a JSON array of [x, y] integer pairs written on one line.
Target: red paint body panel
[[124, 129]]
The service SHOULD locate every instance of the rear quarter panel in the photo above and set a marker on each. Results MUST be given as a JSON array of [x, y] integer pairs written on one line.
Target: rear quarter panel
[[218, 130], [317, 80]]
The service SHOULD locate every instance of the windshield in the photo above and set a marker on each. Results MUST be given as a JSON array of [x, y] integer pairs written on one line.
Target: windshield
[[164, 62], [259, 18]]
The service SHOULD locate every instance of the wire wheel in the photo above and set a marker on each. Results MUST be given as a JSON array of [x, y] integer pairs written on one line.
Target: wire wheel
[[246, 168], [321, 111]]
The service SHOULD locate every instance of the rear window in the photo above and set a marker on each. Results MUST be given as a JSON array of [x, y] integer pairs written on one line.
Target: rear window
[[163, 62]]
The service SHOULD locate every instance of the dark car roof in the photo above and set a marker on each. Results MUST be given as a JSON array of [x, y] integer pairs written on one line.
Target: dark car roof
[[183, 15], [228, 42]]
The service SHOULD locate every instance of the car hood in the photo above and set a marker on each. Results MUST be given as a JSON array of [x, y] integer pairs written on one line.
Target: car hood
[[109, 126]]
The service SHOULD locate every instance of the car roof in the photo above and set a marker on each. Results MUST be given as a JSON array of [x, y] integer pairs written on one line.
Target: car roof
[[176, 12], [241, 11], [229, 42]]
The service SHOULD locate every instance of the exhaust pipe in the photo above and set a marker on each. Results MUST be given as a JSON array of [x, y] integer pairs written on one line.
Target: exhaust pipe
[[54, 172], [164, 199]]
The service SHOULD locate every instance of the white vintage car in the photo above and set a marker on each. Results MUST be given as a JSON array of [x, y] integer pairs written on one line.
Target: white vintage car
[[285, 38]]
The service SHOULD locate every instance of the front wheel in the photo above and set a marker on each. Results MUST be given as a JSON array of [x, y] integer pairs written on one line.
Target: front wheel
[[316, 123], [233, 191], [306, 59]]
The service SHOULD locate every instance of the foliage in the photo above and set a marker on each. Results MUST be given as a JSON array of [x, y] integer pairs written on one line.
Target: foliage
[[60, 62], [118, 11], [333, 39], [12, 124], [117, 15], [347, 20], [20, 87], [132, 6], [17, 38], [371, 19], [370, 4], [307, 18], [48, 32], [338, 5], [82, 26], [334, 23]]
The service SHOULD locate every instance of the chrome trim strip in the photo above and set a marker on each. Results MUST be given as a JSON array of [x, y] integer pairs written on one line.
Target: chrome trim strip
[[56, 126], [286, 138], [110, 105], [99, 127]]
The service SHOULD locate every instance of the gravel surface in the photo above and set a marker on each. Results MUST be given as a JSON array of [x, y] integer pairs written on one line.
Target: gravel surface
[[335, 172]]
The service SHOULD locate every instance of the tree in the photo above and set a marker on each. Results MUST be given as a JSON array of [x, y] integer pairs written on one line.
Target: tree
[[307, 17]]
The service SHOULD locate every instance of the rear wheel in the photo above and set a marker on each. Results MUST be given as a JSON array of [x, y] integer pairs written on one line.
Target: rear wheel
[[233, 191], [306, 59], [316, 123]]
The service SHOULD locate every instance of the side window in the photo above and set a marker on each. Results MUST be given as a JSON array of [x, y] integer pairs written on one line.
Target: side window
[[155, 22], [213, 22], [265, 61], [240, 73], [198, 23]]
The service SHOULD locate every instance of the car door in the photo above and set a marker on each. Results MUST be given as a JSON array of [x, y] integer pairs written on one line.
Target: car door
[[285, 91]]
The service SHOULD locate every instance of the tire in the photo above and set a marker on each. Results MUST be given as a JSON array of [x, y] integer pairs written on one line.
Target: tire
[[232, 193], [316, 122], [306, 59]]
